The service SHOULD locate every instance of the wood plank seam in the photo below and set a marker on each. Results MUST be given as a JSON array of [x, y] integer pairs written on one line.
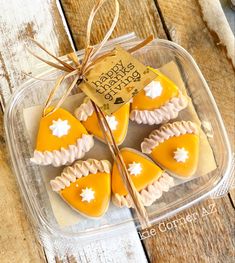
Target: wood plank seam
[[37, 19], [231, 199], [74, 43], [2, 103], [66, 24], [167, 32]]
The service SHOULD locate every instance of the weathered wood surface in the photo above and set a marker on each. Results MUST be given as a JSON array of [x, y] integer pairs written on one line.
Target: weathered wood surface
[[139, 16], [208, 52], [203, 233], [232, 196], [185, 26], [41, 21], [178, 245], [17, 240], [208, 239], [19, 21]]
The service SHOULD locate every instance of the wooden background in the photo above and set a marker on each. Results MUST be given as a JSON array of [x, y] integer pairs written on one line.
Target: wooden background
[[58, 25]]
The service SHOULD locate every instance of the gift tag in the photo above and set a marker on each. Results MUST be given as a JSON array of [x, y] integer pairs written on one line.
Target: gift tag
[[114, 80]]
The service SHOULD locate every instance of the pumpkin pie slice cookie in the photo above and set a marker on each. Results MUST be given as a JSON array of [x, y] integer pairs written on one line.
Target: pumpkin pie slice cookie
[[118, 121], [149, 179], [175, 147], [61, 139], [160, 101], [85, 186]]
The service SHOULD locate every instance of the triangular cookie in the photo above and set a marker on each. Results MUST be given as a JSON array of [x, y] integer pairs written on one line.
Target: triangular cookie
[[175, 147], [158, 102], [118, 121], [85, 186], [61, 139], [149, 179]]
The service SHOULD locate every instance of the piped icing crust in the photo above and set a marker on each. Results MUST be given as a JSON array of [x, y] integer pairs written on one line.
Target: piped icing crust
[[64, 156], [167, 131], [61, 139], [149, 194], [85, 110], [81, 168], [168, 111]]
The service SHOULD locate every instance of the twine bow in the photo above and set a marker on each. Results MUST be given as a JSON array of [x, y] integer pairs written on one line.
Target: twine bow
[[78, 69]]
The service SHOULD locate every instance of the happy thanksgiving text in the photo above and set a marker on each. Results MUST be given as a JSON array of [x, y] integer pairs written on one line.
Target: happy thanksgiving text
[[116, 79]]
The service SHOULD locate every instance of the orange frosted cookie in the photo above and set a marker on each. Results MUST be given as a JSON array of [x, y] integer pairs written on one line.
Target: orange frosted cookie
[[158, 102], [175, 147], [85, 186], [61, 139], [149, 179], [118, 122]]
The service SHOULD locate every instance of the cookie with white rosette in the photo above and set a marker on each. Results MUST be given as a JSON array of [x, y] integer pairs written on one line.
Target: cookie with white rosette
[[61, 139], [159, 102], [149, 179], [118, 121], [175, 147], [85, 186]]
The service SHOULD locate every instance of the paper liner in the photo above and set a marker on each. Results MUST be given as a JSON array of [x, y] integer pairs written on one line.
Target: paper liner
[[64, 215]]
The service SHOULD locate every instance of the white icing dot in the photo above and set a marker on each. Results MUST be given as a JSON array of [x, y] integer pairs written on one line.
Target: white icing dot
[[76, 185], [87, 195], [60, 128], [134, 168], [153, 89], [181, 155], [112, 122]]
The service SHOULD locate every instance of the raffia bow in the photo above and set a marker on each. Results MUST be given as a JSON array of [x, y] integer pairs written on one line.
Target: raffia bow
[[78, 69]]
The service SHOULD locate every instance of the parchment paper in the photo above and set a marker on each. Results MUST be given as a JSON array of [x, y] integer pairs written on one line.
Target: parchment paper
[[136, 133]]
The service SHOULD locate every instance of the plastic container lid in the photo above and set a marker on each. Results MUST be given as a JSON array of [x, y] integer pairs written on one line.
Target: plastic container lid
[[32, 187]]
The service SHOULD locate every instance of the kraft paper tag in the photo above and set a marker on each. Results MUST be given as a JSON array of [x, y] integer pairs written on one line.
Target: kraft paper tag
[[114, 80]]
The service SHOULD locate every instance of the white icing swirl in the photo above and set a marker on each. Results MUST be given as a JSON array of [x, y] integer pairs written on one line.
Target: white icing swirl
[[64, 156], [148, 195], [134, 168], [153, 89], [87, 195], [167, 131], [80, 168], [60, 128], [181, 155], [165, 113], [112, 122], [84, 111]]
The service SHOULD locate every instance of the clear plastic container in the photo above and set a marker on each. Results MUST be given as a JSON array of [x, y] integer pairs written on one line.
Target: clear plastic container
[[32, 187]]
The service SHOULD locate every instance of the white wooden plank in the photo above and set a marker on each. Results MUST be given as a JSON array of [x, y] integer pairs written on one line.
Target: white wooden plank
[[123, 246], [20, 20], [41, 20]]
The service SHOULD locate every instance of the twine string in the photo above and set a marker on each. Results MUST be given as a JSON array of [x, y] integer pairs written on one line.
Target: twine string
[[77, 70], [116, 154]]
